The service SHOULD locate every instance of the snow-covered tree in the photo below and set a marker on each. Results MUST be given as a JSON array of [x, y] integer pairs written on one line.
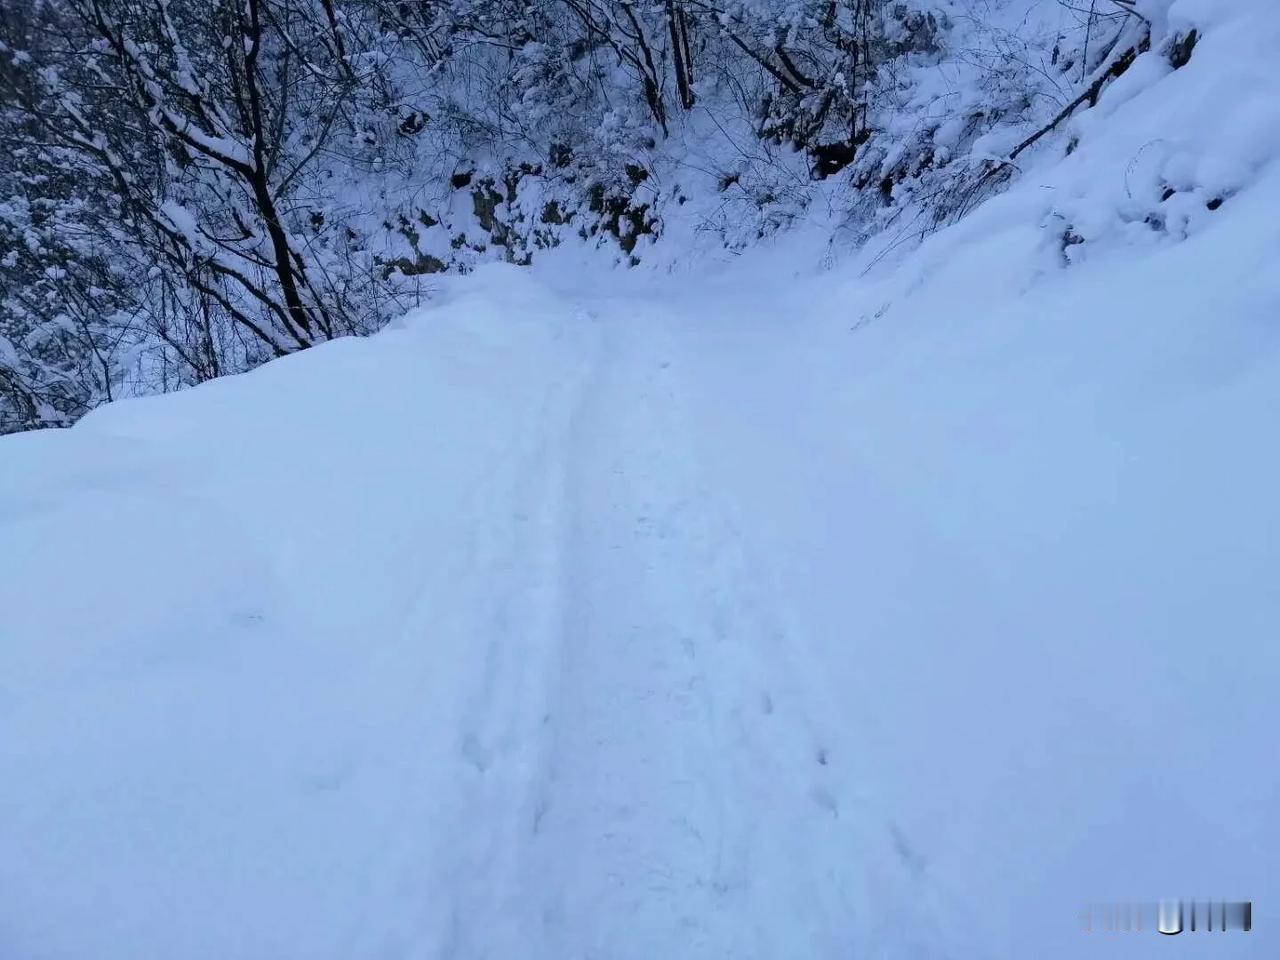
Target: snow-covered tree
[[191, 187]]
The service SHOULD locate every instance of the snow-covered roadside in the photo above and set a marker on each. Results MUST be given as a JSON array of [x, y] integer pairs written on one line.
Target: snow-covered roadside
[[1031, 544], [1016, 492], [239, 640]]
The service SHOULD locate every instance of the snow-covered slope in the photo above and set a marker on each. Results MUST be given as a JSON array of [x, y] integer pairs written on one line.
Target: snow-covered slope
[[761, 614]]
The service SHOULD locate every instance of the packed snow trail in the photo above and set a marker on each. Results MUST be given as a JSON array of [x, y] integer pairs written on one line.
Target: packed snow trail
[[653, 782], [670, 706]]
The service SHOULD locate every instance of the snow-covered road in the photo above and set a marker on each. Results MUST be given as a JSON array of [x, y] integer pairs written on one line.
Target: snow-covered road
[[475, 667], [780, 621]]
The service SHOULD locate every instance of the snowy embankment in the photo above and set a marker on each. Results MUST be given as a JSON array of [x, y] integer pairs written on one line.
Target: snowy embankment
[[767, 615]]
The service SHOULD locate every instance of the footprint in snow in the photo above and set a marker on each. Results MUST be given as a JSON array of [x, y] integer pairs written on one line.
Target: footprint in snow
[[824, 799]]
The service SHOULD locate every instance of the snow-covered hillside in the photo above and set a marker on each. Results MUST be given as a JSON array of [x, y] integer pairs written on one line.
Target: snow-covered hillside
[[890, 610]]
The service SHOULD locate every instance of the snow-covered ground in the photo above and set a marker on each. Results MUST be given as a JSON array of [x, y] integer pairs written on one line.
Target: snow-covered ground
[[752, 613]]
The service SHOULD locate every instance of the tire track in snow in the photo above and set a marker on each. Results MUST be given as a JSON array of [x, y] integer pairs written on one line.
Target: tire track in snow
[[503, 737], [622, 853], [470, 699]]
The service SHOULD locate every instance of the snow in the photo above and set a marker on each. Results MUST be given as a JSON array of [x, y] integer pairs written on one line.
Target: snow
[[890, 611]]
